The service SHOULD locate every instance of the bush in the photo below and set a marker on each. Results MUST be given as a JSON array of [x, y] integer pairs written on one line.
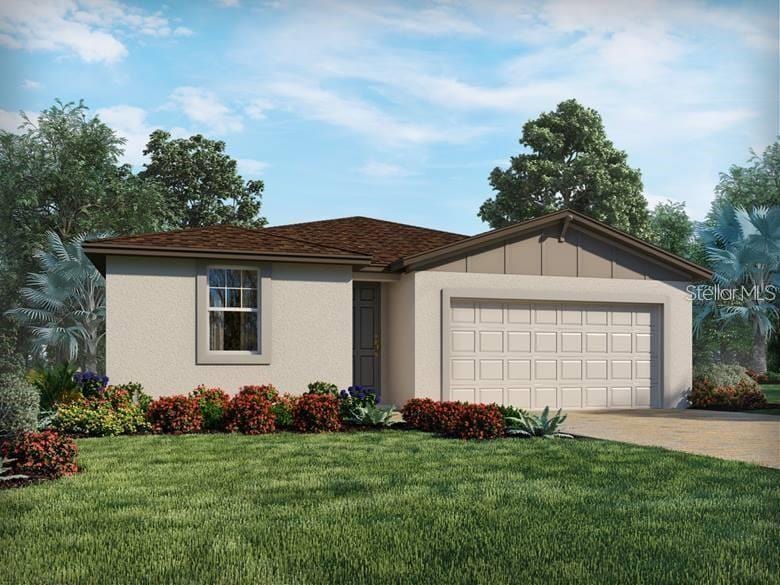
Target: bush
[[512, 411], [370, 415], [721, 374], [477, 421], [744, 395], [136, 393], [18, 405], [55, 385], [41, 455], [250, 411], [432, 416], [530, 425], [418, 414], [174, 414], [320, 387], [771, 378], [282, 409], [90, 383], [111, 412], [213, 404], [316, 413]]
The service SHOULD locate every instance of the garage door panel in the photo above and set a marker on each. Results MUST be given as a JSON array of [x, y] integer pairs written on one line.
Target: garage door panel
[[570, 355]]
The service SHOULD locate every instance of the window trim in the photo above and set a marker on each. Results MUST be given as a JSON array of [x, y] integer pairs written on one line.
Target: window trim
[[204, 355]]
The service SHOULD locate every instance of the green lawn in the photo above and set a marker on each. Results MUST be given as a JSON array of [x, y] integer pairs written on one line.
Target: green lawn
[[392, 507], [772, 392]]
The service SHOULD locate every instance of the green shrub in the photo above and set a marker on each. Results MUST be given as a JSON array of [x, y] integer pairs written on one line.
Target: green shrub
[[531, 425], [772, 378], [56, 385], [282, 409], [507, 410], [371, 415], [320, 387], [136, 393], [18, 405], [111, 412], [213, 403], [721, 374]]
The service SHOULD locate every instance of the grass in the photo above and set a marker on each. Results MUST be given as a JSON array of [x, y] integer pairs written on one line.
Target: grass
[[391, 507], [772, 392]]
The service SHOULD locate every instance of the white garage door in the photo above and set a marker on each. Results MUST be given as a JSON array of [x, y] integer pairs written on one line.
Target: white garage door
[[562, 355]]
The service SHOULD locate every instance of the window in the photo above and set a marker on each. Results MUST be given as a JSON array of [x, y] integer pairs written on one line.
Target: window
[[233, 313], [233, 304]]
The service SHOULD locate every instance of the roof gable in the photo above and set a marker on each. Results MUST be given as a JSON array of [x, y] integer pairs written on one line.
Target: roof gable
[[587, 248]]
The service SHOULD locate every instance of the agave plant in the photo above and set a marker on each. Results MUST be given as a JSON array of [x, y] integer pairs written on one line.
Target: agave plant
[[530, 425], [743, 250], [6, 468], [64, 305], [371, 415]]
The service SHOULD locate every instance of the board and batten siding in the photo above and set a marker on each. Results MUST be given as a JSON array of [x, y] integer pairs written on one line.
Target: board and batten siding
[[578, 254]]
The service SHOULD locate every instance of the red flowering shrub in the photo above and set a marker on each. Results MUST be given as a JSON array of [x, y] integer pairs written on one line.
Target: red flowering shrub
[[744, 395], [446, 416], [175, 414], [316, 413], [213, 404], [250, 412], [418, 413], [44, 455], [477, 421]]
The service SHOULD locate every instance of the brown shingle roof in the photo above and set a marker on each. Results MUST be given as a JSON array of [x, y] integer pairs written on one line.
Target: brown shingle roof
[[224, 238], [384, 241]]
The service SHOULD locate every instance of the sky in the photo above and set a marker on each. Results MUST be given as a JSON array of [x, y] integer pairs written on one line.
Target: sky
[[400, 110]]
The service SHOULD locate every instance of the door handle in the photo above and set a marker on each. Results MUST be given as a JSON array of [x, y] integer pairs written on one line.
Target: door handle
[[377, 345]]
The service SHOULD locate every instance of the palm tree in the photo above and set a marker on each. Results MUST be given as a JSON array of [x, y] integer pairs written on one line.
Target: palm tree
[[743, 250], [65, 303]]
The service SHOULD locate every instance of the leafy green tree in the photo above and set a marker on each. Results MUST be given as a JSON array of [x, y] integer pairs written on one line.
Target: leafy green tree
[[201, 182], [670, 228], [64, 304], [743, 249], [571, 165], [61, 173], [754, 185]]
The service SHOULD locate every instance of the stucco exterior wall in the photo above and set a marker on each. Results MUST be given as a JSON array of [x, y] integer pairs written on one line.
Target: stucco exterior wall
[[398, 333], [151, 327], [670, 296]]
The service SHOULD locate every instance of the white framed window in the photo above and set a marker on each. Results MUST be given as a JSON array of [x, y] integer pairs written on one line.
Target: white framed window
[[233, 314], [233, 309]]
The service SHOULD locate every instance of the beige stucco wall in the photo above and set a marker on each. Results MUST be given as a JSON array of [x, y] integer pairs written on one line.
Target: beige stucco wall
[[676, 317], [151, 332], [398, 334]]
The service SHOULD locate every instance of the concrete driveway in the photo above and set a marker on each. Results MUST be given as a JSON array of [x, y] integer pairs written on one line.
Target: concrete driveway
[[754, 438]]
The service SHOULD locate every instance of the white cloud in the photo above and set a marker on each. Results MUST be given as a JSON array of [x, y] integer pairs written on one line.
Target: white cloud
[[131, 124], [183, 31], [713, 121], [89, 29], [10, 121], [384, 170], [257, 108], [251, 168], [228, 3], [31, 84], [203, 107], [359, 116]]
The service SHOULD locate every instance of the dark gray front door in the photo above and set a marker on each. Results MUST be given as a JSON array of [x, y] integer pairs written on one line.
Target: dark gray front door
[[366, 335]]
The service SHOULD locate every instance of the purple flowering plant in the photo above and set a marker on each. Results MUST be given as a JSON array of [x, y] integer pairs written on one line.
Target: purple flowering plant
[[90, 383]]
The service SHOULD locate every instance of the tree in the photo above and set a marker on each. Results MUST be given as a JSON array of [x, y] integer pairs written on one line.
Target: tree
[[670, 228], [61, 173], [65, 303], [755, 185], [201, 182], [572, 165], [743, 249]]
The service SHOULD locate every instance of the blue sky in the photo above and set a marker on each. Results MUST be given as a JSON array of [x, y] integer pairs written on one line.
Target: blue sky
[[400, 110]]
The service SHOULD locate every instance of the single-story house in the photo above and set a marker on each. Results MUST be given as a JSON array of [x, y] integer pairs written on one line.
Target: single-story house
[[561, 310]]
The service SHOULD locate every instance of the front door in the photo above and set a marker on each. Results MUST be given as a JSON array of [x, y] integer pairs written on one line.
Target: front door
[[366, 335]]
